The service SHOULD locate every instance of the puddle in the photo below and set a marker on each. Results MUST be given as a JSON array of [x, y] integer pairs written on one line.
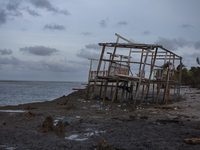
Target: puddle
[[97, 133], [75, 137], [84, 136], [14, 111]]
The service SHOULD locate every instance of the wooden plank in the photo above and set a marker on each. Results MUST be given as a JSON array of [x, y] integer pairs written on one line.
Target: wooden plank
[[147, 86], [137, 92], [99, 65], [105, 91], [127, 76], [114, 94], [122, 96]]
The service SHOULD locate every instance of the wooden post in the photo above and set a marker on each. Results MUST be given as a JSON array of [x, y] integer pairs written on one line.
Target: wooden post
[[136, 95], [122, 96], [167, 83], [105, 90], [158, 89], [100, 89], [99, 65], [113, 96], [180, 74], [151, 70]]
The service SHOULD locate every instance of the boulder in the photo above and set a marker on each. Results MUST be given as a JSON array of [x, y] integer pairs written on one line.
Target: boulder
[[103, 145], [60, 130], [47, 125]]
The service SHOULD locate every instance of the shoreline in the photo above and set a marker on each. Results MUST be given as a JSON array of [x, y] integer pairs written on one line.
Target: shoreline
[[148, 128]]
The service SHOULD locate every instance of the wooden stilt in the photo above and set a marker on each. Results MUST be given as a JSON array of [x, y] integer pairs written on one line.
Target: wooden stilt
[[105, 91], [99, 65], [151, 70], [113, 97], [141, 74], [123, 91], [100, 90]]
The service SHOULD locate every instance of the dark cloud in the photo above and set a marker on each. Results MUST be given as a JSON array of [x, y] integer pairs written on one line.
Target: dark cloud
[[2, 17], [10, 61], [87, 54], [172, 44], [121, 23], [5, 51], [93, 46], [32, 12], [13, 8], [45, 4], [86, 33], [197, 45], [57, 66], [48, 64], [54, 27], [13, 5], [103, 23], [39, 50], [146, 33], [186, 26]]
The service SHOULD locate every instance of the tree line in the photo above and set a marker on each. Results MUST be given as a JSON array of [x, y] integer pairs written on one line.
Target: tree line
[[191, 77]]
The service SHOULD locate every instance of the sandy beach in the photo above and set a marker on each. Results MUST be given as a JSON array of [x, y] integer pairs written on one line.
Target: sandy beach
[[164, 127]]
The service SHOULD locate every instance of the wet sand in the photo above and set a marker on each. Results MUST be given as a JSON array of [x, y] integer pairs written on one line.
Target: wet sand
[[164, 127]]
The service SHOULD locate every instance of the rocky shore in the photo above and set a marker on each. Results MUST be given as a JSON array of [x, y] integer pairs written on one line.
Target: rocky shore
[[72, 125]]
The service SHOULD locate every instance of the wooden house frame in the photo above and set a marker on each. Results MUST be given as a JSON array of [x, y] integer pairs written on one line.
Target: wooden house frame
[[120, 71]]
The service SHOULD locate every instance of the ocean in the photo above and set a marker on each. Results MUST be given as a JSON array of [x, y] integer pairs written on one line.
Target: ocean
[[22, 92]]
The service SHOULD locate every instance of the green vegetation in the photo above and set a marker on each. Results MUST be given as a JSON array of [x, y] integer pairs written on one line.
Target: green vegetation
[[191, 77]]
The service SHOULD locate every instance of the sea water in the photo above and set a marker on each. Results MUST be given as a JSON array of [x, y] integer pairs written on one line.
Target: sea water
[[21, 92]]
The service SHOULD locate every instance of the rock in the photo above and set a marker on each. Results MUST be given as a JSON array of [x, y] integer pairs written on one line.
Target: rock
[[192, 141], [47, 125], [70, 106], [132, 117], [65, 102], [144, 117], [103, 145], [60, 130]]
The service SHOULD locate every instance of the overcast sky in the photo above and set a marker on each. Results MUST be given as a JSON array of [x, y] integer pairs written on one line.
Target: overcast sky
[[50, 40]]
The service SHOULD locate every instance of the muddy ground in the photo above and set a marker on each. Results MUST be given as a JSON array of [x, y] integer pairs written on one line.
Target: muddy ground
[[123, 129]]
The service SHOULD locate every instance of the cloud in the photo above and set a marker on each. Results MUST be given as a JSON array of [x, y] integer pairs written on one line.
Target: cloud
[[32, 12], [45, 4], [93, 46], [103, 23], [121, 23], [197, 45], [2, 17], [12, 60], [13, 8], [172, 44], [13, 5], [39, 50], [5, 51], [190, 59], [86, 54], [186, 26], [54, 27], [146, 33], [86, 33], [47, 64], [56, 66]]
